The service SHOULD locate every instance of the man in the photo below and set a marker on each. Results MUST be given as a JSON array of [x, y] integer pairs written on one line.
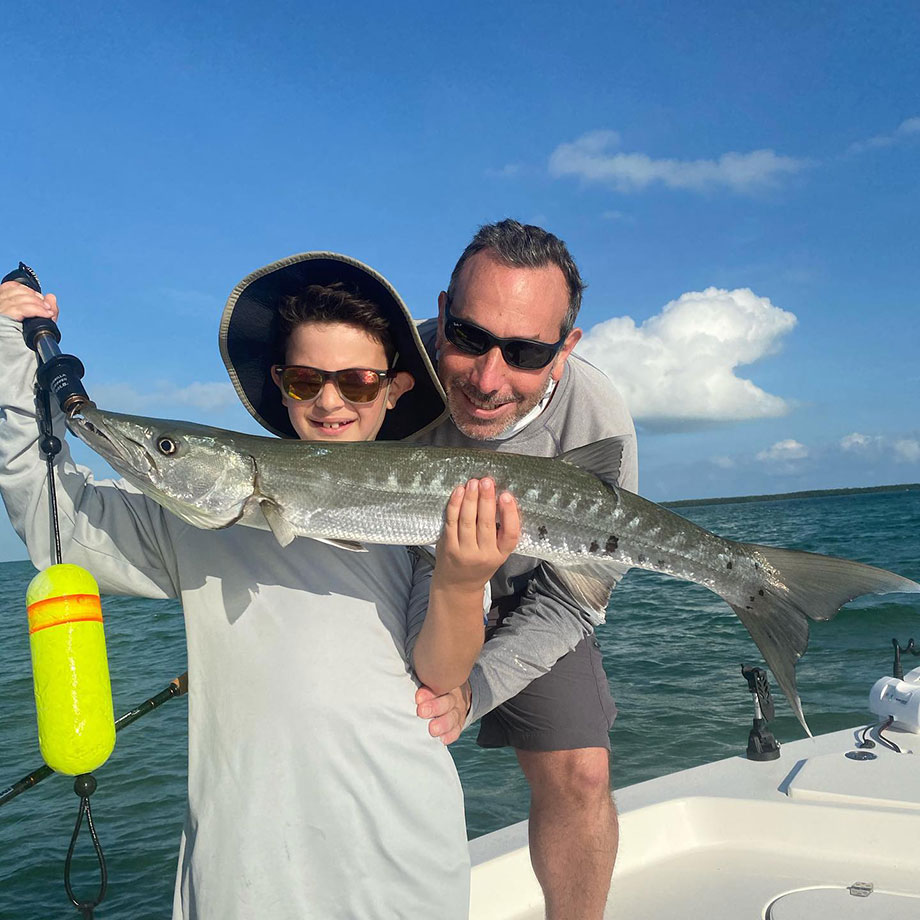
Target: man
[[504, 339]]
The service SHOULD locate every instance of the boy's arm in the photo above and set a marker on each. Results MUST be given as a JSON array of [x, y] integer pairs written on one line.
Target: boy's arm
[[469, 551], [117, 533]]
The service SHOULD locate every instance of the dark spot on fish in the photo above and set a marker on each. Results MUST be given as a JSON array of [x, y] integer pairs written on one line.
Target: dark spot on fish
[[543, 532], [660, 563], [748, 606], [728, 565], [612, 543], [756, 566], [760, 592], [641, 558], [594, 547], [752, 598]]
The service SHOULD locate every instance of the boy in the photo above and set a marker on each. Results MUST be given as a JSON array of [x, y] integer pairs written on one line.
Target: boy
[[314, 791]]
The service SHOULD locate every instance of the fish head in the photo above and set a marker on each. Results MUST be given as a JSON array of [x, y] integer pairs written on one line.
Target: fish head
[[198, 473]]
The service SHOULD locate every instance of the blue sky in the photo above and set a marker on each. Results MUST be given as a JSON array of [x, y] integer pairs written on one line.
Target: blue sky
[[738, 183]]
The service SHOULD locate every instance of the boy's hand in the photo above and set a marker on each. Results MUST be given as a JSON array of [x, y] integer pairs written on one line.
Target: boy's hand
[[20, 302], [479, 534]]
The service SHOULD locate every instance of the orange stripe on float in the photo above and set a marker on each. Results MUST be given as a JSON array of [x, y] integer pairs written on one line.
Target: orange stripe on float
[[66, 609], [64, 598]]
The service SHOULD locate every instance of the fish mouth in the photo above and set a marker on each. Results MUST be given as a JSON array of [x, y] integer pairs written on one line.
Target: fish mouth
[[126, 454]]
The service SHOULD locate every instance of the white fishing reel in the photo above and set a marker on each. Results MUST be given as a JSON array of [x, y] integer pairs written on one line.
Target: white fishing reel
[[898, 699]]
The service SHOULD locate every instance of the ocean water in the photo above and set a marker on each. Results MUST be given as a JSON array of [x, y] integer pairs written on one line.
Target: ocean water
[[672, 653]]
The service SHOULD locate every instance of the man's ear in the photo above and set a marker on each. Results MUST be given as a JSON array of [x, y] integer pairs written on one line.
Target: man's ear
[[571, 340], [442, 305], [401, 383]]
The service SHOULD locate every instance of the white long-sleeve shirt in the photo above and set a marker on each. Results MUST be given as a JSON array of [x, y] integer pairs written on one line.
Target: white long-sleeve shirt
[[314, 789]]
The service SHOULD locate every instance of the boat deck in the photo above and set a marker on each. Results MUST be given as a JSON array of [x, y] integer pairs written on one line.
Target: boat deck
[[813, 835]]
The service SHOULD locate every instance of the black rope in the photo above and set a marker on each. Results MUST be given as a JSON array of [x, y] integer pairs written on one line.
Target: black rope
[[889, 744], [50, 446], [84, 786]]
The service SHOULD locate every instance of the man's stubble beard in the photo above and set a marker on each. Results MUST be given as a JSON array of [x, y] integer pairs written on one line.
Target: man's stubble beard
[[486, 430]]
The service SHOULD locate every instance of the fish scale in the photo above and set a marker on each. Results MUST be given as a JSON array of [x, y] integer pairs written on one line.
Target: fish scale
[[581, 524]]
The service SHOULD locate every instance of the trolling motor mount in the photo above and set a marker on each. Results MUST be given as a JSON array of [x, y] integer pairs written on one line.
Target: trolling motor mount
[[761, 743]]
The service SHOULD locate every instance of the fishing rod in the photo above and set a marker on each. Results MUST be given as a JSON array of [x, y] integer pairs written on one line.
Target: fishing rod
[[70, 669], [177, 687]]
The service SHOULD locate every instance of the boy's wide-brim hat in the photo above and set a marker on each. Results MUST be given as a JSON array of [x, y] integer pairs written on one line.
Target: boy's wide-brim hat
[[249, 335]]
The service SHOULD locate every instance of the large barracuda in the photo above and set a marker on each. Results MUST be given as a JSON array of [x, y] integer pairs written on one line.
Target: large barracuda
[[573, 516]]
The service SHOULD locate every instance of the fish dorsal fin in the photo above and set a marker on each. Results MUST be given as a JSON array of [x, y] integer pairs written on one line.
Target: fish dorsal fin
[[590, 585], [603, 458]]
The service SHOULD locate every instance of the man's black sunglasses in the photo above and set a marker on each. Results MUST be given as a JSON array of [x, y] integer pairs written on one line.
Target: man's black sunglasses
[[528, 354]]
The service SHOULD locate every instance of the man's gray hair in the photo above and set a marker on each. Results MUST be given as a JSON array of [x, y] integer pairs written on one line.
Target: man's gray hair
[[529, 247]]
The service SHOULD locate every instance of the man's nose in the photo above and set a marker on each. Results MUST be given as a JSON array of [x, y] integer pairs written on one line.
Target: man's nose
[[490, 372]]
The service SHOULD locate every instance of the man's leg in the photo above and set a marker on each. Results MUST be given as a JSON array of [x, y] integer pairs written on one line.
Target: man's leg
[[573, 829], [559, 726]]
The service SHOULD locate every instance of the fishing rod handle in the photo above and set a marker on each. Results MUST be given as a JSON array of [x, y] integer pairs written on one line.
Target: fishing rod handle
[[35, 328], [58, 373]]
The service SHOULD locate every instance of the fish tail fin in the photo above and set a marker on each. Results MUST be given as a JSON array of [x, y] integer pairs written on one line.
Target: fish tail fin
[[799, 587]]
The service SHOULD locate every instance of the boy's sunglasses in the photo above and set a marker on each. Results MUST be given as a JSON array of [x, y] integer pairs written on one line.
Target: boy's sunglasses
[[355, 384], [527, 354]]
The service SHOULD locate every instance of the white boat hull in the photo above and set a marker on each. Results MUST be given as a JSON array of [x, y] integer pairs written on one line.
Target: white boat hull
[[782, 840]]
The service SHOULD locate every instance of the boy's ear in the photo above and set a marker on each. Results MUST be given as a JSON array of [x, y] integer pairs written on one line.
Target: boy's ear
[[401, 383], [277, 379]]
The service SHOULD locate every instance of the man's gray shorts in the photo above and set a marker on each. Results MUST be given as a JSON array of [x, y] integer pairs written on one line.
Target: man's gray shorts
[[567, 708]]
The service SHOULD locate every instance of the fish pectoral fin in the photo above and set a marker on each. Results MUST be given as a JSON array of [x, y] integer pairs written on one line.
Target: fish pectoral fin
[[353, 546], [603, 458], [277, 522], [590, 585]]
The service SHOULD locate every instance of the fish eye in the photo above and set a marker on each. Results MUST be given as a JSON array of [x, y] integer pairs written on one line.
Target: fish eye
[[167, 446]]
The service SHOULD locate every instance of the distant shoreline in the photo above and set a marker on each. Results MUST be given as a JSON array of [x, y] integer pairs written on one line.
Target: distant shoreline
[[784, 496]]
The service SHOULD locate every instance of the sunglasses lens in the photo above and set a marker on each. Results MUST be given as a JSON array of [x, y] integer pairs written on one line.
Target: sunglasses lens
[[359, 385], [468, 338], [301, 382], [528, 355]]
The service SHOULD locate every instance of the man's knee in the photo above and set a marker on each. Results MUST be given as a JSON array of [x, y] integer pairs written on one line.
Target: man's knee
[[579, 777]]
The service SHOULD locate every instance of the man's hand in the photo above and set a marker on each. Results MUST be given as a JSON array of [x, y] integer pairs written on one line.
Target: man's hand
[[446, 713]]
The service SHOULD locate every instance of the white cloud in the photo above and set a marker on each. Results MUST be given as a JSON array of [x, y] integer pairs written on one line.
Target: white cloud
[[907, 450], [857, 442], [724, 463], [590, 157], [909, 127], [210, 397], [677, 370], [784, 452]]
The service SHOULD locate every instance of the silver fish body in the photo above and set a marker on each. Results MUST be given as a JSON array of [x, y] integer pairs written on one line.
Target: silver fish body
[[573, 516]]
